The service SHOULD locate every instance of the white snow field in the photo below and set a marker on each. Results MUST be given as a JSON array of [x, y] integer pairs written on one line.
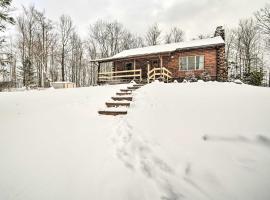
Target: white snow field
[[179, 141]]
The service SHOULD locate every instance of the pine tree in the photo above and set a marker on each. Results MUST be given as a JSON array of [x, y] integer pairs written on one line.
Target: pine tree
[[28, 73]]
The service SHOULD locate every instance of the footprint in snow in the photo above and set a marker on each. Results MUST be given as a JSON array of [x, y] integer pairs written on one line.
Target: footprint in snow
[[136, 154]]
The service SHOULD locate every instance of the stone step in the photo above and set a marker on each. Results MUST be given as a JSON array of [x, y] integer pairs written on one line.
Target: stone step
[[123, 93], [122, 98], [111, 112], [117, 104]]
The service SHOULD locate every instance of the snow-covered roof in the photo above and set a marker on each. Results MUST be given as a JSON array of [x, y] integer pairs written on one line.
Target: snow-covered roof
[[215, 41]]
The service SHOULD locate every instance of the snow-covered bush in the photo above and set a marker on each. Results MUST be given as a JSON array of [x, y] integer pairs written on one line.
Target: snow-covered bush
[[190, 77], [205, 76]]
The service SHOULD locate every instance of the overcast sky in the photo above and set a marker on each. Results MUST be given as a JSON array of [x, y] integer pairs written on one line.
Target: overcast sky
[[194, 17]]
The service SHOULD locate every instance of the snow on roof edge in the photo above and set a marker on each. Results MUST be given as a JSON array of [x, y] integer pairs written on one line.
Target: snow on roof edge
[[165, 48]]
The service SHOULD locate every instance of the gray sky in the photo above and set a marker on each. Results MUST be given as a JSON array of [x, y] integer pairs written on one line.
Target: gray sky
[[194, 17]]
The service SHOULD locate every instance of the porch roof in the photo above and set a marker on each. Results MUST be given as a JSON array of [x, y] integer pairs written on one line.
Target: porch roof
[[165, 48]]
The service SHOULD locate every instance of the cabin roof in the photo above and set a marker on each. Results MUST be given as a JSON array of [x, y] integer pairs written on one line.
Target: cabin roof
[[165, 48]]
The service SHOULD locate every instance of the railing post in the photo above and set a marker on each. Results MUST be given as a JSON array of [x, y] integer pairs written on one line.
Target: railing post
[[134, 68]]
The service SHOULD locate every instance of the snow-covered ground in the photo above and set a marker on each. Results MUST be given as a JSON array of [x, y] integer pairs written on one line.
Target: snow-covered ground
[[178, 141]]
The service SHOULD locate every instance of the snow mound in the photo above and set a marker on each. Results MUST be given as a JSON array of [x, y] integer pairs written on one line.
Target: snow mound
[[238, 81], [133, 82]]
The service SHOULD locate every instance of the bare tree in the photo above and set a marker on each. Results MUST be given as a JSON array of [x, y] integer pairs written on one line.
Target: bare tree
[[229, 51], [65, 31], [98, 34], [36, 36], [43, 42], [53, 71], [243, 52], [249, 37], [108, 37], [27, 27], [130, 41], [77, 64], [153, 35], [115, 32], [263, 19], [175, 35], [202, 36], [92, 54]]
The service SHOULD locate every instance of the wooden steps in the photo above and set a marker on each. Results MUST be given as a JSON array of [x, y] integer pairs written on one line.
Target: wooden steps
[[117, 104], [133, 88], [122, 98], [138, 85], [126, 90], [113, 113], [123, 93]]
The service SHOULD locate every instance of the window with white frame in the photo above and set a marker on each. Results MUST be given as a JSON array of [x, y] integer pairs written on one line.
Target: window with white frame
[[191, 63]]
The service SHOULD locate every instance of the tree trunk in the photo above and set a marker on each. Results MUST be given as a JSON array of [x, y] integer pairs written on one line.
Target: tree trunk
[[63, 63]]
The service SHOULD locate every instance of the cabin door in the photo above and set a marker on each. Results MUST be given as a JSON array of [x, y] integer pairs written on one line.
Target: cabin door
[[154, 64]]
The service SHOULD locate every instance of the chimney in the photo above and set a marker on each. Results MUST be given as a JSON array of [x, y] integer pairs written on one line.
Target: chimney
[[220, 32]]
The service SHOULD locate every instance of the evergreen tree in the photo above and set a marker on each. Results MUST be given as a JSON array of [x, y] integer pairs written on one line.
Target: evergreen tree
[[28, 73], [254, 78]]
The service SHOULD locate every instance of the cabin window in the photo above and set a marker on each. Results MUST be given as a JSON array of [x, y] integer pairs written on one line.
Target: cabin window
[[191, 63]]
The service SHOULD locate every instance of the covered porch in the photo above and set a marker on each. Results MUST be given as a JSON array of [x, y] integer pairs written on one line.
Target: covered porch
[[141, 69]]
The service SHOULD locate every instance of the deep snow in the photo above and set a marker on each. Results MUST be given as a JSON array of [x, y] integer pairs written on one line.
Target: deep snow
[[178, 141]]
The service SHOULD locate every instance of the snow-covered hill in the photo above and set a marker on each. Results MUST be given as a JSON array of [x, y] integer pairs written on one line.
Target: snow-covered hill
[[178, 141]]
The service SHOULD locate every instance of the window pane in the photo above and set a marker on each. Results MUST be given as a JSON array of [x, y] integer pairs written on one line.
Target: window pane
[[183, 63], [197, 62], [191, 62], [201, 65]]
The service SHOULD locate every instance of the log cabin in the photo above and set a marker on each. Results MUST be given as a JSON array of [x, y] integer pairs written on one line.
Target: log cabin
[[169, 62]]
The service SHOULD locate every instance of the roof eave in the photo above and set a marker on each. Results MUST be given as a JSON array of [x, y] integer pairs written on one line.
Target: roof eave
[[102, 60], [200, 47]]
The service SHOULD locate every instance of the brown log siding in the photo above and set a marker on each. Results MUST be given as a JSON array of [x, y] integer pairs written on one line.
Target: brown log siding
[[171, 61], [210, 62]]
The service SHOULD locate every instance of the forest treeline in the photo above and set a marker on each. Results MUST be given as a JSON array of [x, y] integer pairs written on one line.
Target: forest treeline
[[43, 50]]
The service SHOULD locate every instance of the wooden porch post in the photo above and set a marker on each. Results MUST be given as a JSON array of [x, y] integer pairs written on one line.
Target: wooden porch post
[[161, 66], [134, 67]]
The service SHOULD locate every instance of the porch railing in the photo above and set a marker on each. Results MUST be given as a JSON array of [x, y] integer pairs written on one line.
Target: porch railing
[[116, 76], [160, 72]]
